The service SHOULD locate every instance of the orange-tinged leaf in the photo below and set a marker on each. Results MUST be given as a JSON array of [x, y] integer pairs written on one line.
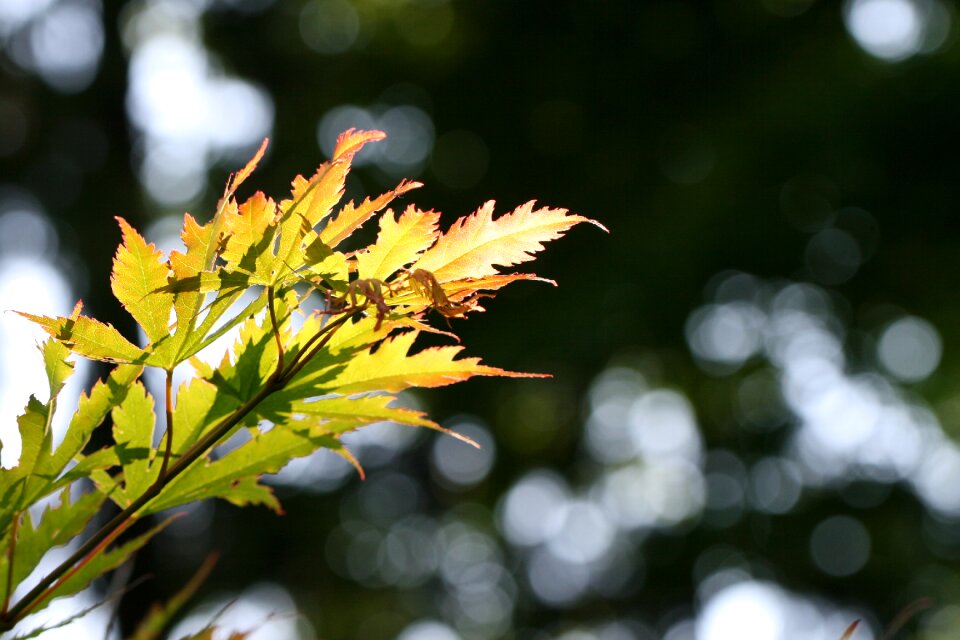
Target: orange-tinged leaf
[[459, 289], [398, 243], [390, 368], [237, 179], [314, 199], [347, 455], [198, 239], [352, 217], [91, 338], [475, 245], [250, 239], [218, 228], [138, 273], [352, 140]]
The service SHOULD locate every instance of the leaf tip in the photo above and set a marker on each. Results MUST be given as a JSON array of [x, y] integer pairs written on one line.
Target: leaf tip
[[597, 224], [459, 436], [849, 631], [347, 455]]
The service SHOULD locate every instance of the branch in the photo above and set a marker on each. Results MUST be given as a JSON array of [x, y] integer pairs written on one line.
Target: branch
[[122, 520], [323, 336]]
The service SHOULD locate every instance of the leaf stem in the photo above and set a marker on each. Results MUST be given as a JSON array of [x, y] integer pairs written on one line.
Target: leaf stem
[[69, 574], [125, 518], [323, 336], [11, 553], [169, 417], [271, 303]]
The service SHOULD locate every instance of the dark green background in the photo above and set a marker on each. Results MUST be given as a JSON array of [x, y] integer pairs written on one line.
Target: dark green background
[[585, 105]]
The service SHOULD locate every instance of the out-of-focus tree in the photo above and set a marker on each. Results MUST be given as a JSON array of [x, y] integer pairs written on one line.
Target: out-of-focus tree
[[750, 429]]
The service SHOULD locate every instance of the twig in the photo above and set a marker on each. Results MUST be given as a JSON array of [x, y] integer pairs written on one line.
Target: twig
[[122, 520], [11, 553], [323, 336]]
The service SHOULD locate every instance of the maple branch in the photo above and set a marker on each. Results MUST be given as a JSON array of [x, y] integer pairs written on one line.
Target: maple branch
[[124, 519], [79, 565], [323, 336]]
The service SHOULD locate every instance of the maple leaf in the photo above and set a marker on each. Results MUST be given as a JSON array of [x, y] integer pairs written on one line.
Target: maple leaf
[[314, 198], [392, 368], [352, 217], [138, 273], [475, 245], [398, 243], [57, 526], [248, 245], [90, 338]]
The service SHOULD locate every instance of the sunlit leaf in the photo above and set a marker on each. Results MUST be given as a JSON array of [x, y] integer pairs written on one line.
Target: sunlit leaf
[[341, 410], [90, 413], [474, 246], [91, 338], [398, 243], [199, 406], [133, 428], [323, 338], [57, 526], [56, 365], [392, 368], [249, 246], [234, 476], [40, 470], [139, 271], [352, 217]]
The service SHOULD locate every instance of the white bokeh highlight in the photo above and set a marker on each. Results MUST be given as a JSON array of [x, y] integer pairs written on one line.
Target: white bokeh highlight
[[189, 112]]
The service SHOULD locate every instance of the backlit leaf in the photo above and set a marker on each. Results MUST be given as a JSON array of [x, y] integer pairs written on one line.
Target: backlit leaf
[[133, 426], [315, 199], [474, 246], [390, 368], [90, 413], [233, 476], [90, 338], [352, 217], [199, 406], [138, 273], [341, 410], [249, 245], [56, 365], [57, 526], [398, 243]]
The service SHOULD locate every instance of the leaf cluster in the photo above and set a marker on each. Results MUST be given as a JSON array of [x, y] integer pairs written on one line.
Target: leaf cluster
[[324, 340]]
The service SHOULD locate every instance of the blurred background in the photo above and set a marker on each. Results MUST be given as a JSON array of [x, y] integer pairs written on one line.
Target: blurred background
[[751, 428]]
